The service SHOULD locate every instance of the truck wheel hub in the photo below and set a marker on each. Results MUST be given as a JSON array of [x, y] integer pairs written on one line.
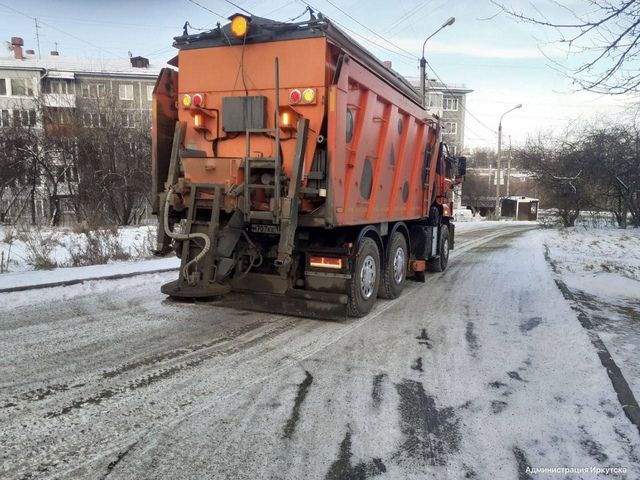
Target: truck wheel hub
[[398, 266], [368, 277]]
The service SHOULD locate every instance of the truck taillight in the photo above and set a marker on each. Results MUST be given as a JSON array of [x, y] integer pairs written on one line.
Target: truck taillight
[[325, 262], [198, 120], [295, 96], [306, 96], [198, 100], [309, 95]]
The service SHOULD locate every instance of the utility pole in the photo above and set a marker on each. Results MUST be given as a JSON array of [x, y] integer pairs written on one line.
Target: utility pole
[[497, 207], [509, 167], [423, 62]]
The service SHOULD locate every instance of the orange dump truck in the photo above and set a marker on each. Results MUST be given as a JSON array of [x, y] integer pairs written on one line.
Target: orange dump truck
[[293, 172]]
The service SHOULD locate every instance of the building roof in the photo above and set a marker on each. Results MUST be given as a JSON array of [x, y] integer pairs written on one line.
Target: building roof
[[86, 66], [455, 88]]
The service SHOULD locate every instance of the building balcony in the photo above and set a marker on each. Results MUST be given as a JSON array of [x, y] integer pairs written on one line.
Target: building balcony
[[59, 100]]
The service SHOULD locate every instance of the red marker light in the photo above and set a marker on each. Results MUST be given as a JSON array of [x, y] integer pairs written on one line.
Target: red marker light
[[295, 96], [198, 100]]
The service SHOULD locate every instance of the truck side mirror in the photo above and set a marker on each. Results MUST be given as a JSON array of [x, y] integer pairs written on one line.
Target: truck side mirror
[[462, 166]]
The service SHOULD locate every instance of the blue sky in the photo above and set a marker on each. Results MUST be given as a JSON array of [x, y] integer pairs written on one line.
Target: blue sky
[[500, 59]]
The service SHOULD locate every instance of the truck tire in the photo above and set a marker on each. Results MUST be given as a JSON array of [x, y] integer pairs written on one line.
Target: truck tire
[[394, 274], [439, 263], [365, 279]]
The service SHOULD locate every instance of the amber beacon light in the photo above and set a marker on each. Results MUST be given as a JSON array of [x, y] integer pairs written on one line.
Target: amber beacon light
[[239, 25]]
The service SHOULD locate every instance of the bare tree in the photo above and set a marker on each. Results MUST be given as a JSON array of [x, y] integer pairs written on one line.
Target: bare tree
[[606, 38], [614, 155], [113, 147], [13, 168], [562, 174]]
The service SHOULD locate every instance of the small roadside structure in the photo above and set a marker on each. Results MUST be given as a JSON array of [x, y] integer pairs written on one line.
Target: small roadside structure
[[519, 208]]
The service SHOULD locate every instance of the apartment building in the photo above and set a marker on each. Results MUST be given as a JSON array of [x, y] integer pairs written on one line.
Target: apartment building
[[448, 101], [50, 91], [56, 83]]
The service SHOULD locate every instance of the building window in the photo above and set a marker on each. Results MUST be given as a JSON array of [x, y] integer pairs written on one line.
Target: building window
[[21, 87], [434, 100], [4, 118], [146, 118], [450, 104], [94, 120], [126, 92], [58, 86], [59, 116], [94, 90], [451, 128], [129, 119], [3, 86], [150, 92], [25, 118]]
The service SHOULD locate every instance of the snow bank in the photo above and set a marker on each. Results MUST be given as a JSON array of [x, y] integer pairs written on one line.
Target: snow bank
[[59, 243]]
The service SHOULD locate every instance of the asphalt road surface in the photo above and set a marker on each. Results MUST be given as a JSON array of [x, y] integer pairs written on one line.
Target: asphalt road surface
[[480, 372]]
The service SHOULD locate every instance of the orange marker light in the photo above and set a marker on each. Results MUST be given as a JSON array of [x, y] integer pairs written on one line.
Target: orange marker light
[[286, 119], [198, 120], [239, 25]]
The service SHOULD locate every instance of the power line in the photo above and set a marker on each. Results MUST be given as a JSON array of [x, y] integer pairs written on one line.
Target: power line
[[304, 2], [412, 57], [40, 22], [372, 31], [463, 107], [406, 16], [238, 6], [207, 9]]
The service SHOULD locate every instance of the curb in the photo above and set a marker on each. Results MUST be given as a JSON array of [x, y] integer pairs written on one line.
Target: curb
[[67, 283]]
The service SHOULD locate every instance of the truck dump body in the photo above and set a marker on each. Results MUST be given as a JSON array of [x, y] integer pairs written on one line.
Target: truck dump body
[[288, 140]]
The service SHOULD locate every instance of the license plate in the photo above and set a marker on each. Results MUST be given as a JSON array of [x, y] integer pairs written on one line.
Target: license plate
[[260, 228]]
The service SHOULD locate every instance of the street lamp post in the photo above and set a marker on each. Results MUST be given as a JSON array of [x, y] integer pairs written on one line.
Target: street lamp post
[[423, 61], [497, 210]]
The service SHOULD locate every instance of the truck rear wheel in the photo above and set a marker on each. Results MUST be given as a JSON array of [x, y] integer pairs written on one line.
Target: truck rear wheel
[[394, 275], [439, 263], [365, 279]]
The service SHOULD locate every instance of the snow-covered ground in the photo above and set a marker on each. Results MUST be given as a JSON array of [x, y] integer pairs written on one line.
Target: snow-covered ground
[[601, 266], [483, 371], [62, 247]]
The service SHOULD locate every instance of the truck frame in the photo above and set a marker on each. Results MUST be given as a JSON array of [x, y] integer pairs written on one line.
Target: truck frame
[[293, 172]]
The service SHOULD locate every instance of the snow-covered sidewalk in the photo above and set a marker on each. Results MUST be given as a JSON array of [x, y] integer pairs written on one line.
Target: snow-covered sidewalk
[[25, 280], [601, 268]]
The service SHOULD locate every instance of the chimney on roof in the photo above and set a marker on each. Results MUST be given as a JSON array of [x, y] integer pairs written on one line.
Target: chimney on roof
[[30, 52], [387, 63], [139, 62], [55, 53], [16, 44]]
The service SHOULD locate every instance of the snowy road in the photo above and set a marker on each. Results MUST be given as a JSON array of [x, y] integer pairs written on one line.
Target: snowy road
[[479, 373]]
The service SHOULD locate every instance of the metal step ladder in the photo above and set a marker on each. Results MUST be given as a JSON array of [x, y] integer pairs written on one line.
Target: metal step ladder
[[272, 164]]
